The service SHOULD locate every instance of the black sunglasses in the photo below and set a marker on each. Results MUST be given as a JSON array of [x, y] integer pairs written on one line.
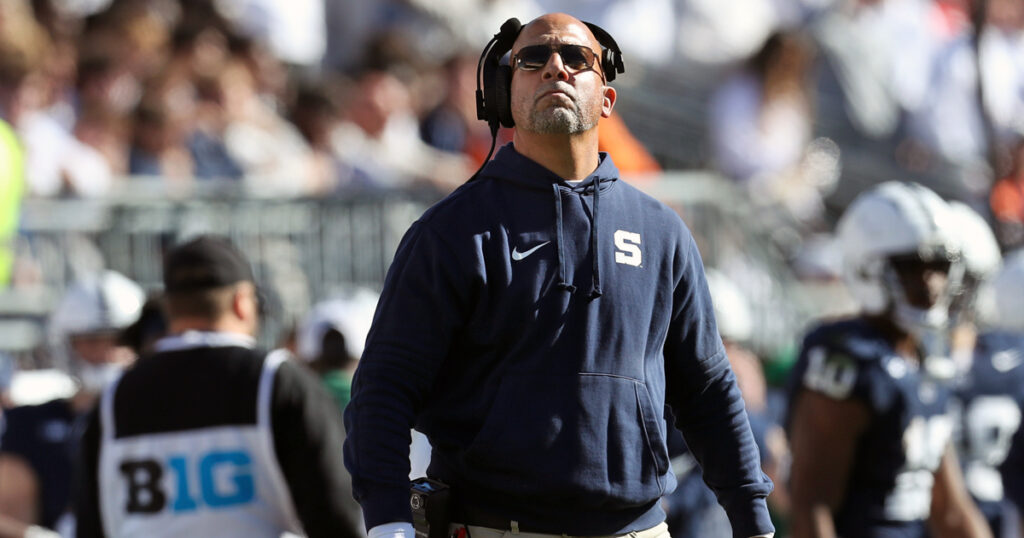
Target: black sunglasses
[[575, 57]]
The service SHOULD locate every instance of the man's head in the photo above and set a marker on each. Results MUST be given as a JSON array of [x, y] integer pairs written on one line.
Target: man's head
[[208, 284], [558, 85]]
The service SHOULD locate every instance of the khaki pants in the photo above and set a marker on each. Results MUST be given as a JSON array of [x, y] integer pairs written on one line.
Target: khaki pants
[[658, 531]]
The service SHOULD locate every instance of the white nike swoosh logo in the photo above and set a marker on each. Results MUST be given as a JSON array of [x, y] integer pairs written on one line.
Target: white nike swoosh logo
[[1007, 360], [516, 255]]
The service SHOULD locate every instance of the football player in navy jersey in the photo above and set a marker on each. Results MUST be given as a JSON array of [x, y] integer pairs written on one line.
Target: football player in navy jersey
[[989, 391], [992, 399], [868, 415]]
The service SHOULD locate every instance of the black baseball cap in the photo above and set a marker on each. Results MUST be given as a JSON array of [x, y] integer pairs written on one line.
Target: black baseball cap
[[205, 262]]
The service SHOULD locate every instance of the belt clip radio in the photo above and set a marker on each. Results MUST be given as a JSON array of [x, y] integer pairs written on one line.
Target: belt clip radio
[[428, 499]]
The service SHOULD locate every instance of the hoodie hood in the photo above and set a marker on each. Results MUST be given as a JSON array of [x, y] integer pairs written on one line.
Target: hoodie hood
[[512, 166]]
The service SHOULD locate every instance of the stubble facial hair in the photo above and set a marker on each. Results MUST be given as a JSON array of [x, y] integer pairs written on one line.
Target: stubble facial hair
[[559, 119]]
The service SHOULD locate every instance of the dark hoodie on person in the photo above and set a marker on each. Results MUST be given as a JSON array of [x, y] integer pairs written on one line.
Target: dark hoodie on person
[[534, 330]]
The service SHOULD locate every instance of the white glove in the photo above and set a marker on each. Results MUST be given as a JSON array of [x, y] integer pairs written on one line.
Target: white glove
[[400, 529], [35, 531]]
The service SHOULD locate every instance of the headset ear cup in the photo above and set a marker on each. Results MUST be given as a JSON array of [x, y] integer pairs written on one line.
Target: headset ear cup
[[608, 64], [503, 95]]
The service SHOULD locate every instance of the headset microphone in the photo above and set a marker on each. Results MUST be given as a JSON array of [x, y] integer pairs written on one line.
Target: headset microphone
[[486, 69]]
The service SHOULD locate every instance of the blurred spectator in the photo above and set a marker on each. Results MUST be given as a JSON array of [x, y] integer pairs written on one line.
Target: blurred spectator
[[108, 134], [349, 27], [206, 140], [721, 33], [273, 81], [964, 105], [271, 151], [315, 113], [55, 161], [39, 442], [199, 49], [158, 143], [1002, 68], [452, 125], [1007, 202], [761, 116], [105, 83], [293, 29], [761, 121], [646, 29], [946, 119], [11, 186], [380, 134]]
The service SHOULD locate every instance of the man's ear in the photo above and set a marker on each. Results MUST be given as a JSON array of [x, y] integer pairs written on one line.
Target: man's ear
[[609, 101], [243, 301]]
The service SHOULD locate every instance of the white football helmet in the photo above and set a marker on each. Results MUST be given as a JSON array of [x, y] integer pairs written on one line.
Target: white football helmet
[[891, 220], [102, 305], [350, 313], [104, 302], [979, 247], [980, 252], [1001, 299]]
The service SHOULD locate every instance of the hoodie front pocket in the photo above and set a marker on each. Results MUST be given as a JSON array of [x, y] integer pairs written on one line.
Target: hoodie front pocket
[[590, 438]]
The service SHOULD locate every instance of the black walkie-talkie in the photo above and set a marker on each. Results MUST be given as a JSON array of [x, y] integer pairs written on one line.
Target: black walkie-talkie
[[428, 499]]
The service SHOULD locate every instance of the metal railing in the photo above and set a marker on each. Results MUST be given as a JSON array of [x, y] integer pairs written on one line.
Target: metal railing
[[303, 249]]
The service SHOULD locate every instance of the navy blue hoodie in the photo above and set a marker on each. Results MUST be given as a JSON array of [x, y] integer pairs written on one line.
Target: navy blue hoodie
[[534, 331]]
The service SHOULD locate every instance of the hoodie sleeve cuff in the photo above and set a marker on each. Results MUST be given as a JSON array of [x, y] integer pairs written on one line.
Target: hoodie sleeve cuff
[[385, 505], [751, 519]]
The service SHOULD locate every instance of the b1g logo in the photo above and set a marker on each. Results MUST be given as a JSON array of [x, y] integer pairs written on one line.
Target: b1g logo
[[224, 479], [627, 248]]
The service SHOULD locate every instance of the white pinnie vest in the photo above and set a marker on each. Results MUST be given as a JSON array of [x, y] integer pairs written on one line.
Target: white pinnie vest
[[219, 481]]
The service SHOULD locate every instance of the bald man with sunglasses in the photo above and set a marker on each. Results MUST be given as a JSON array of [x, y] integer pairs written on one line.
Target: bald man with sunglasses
[[535, 324]]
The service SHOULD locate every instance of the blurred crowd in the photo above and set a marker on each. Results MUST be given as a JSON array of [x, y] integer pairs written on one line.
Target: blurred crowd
[[801, 103], [323, 97]]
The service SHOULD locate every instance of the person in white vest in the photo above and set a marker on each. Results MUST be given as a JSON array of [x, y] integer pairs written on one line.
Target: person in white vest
[[207, 436]]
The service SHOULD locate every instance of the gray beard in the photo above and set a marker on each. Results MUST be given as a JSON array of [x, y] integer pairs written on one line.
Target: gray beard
[[559, 121]]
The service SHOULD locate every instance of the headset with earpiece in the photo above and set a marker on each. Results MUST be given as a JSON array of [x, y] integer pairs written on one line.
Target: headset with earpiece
[[494, 79]]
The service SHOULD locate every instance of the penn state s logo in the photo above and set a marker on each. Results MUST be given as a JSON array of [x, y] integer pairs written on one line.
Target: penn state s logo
[[627, 248]]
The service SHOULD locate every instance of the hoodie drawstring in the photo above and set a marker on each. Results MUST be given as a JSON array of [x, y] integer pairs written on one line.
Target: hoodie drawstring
[[564, 284], [595, 290]]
